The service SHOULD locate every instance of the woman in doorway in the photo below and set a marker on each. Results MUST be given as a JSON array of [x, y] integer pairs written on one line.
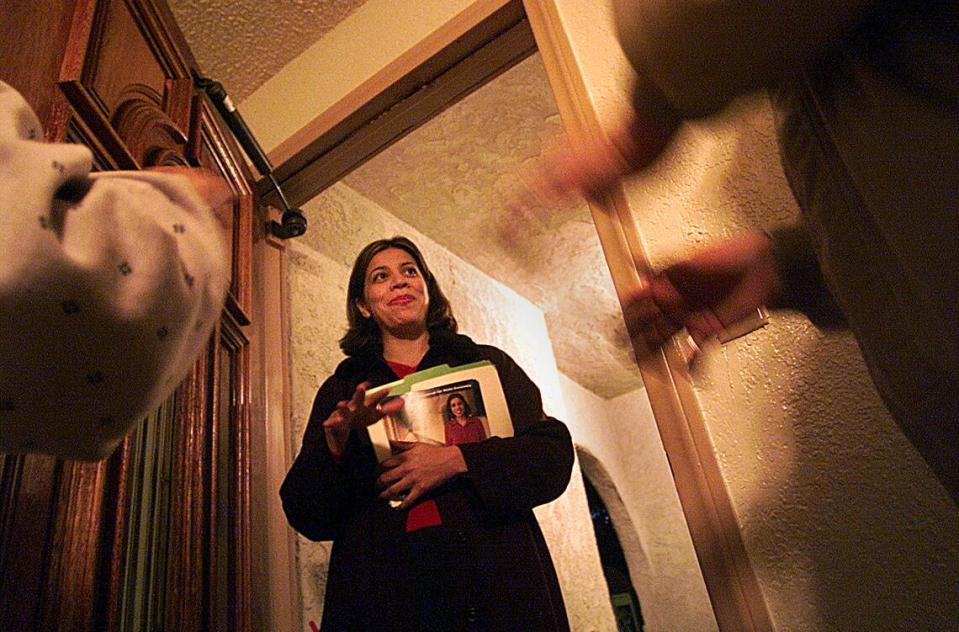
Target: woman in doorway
[[461, 426], [462, 550]]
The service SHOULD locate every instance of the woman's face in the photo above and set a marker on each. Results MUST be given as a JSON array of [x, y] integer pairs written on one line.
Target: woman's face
[[456, 406], [394, 292]]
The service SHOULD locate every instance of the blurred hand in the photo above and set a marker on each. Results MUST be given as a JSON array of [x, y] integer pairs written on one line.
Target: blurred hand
[[705, 293], [211, 188], [356, 413], [416, 468], [592, 169]]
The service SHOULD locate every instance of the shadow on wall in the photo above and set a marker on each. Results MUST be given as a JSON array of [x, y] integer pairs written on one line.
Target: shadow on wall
[[869, 516], [867, 538]]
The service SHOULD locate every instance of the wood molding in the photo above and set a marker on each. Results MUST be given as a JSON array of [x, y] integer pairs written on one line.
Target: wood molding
[[274, 542], [229, 500], [114, 519], [389, 78], [150, 135], [185, 572], [732, 585], [472, 48], [213, 147], [85, 106], [76, 537], [27, 538]]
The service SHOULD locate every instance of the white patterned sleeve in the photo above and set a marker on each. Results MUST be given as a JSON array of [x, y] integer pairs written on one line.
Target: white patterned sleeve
[[110, 284]]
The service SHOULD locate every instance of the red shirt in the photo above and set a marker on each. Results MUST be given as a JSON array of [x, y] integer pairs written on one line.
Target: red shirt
[[401, 370], [471, 432]]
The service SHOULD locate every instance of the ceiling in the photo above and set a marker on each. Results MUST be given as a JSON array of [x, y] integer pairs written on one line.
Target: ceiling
[[453, 179], [242, 43]]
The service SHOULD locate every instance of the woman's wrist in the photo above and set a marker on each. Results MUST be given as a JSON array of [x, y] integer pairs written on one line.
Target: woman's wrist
[[336, 441]]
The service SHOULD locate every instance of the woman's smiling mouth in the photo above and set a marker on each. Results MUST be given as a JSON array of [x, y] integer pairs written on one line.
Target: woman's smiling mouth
[[403, 299]]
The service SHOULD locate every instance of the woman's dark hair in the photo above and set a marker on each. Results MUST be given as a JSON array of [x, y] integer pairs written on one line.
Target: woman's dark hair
[[364, 333], [467, 411]]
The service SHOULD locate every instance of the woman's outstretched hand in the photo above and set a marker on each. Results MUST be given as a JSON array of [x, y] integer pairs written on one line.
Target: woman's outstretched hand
[[417, 468], [705, 293], [356, 413]]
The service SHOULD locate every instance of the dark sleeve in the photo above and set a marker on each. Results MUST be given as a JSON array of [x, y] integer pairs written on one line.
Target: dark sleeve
[[803, 286], [513, 475], [320, 493], [695, 52]]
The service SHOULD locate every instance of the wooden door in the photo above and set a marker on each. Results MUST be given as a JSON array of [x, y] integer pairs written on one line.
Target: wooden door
[[157, 537]]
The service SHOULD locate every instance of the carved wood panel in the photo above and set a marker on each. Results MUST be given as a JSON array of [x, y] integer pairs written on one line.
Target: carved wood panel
[[229, 531], [68, 548], [212, 147], [228, 535], [120, 79]]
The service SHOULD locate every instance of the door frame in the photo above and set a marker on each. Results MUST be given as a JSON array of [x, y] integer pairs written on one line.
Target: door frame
[[472, 48]]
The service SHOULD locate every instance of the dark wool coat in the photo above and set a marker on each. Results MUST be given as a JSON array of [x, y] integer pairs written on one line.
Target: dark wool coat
[[486, 567]]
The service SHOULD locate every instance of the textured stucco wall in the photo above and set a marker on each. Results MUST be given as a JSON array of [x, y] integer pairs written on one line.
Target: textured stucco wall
[[629, 469], [341, 222], [843, 523]]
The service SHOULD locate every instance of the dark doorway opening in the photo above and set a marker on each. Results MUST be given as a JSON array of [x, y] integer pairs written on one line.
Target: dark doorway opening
[[629, 617]]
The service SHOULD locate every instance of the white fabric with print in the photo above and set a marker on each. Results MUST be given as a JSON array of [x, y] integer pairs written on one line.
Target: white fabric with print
[[105, 302]]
